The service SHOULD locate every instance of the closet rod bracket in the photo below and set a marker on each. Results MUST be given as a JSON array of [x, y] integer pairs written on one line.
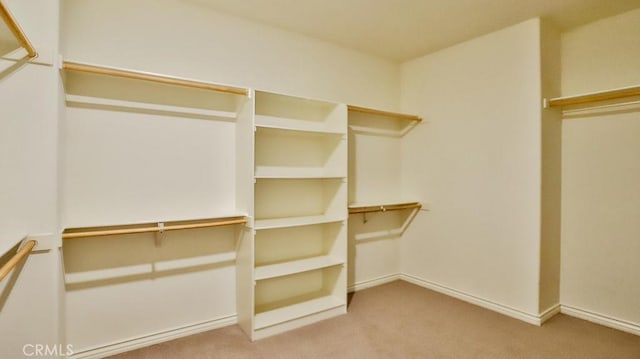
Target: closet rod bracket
[[159, 234]]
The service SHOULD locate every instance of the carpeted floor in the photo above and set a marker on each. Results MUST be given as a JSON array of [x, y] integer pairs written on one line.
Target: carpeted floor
[[401, 320]]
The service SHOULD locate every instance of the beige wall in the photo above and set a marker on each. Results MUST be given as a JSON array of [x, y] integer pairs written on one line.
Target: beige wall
[[601, 173], [477, 163], [28, 141]]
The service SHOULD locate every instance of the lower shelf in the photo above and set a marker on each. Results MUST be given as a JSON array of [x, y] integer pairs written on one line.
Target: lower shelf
[[295, 311], [297, 266]]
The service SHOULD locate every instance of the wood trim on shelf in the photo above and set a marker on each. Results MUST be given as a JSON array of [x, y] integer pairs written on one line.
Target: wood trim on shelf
[[370, 111], [146, 76], [17, 31], [384, 207], [595, 97], [70, 233], [13, 262]]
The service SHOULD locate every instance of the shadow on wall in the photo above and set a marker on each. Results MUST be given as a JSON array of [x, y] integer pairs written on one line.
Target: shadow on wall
[[376, 226], [102, 261]]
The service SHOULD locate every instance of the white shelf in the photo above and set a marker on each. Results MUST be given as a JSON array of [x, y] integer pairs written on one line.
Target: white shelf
[[286, 124], [98, 101], [298, 310], [293, 267], [295, 221], [277, 172]]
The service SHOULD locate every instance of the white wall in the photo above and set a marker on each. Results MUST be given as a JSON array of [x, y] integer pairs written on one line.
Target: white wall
[[477, 162], [28, 150], [601, 173], [184, 38]]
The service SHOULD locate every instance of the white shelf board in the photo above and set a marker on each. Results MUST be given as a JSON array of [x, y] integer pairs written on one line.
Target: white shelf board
[[295, 221], [297, 172], [98, 101], [286, 124], [297, 266], [298, 310]]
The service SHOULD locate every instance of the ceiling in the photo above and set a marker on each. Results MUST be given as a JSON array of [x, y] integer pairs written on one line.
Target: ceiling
[[406, 29]]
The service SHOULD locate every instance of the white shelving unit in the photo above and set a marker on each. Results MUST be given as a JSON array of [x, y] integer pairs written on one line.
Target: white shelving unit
[[292, 268]]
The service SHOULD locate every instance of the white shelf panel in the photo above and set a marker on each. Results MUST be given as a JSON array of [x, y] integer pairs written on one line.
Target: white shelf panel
[[298, 310], [285, 124], [105, 102], [295, 221], [297, 172], [281, 123], [297, 266]]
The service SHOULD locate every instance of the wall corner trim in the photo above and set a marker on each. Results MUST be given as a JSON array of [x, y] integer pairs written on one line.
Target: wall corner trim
[[549, 313], [147, 340]]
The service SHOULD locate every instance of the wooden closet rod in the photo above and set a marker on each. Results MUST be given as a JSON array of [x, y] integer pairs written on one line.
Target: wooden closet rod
[[384, 208], [167, 80], [13, 262], [595, 97], [148, 228], [371, 111], [17, 30]]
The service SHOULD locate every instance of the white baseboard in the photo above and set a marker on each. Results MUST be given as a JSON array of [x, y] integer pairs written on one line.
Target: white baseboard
[[623, 325], [487, 304], [141, 342], [373, 282], [549, 313]]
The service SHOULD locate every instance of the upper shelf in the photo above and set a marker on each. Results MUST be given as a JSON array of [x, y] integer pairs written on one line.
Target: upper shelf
[[15, 29], [381, 123], [396, 115], [147, 76], [601, 96], [103, 87], [286, 112]]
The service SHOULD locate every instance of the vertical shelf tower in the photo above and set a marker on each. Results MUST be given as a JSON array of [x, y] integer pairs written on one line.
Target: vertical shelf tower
[[292, 258]]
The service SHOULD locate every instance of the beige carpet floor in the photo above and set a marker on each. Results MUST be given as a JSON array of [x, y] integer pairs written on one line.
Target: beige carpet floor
[[401, 320]]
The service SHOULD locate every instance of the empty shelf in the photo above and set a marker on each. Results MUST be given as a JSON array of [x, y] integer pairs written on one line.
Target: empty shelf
[[295, 221], [297, 172], [396, 115], [292, 267], [298, 310], [281, 123]]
